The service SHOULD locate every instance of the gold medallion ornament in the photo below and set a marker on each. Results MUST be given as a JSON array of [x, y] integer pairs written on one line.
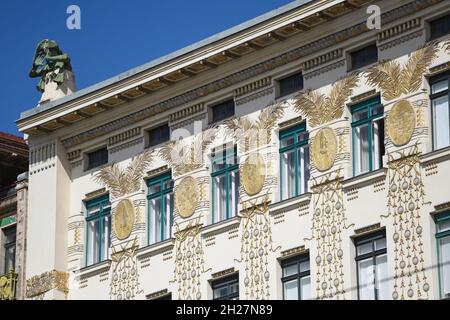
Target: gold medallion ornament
[[324, 148], [124, 219], [186, 197], [401, 122], [253, 174]]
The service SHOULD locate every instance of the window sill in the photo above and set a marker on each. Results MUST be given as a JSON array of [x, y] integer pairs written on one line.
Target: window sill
[[155, 248], [94, 269], [364, 179], [220, 227], [289, 204], [438, 155]]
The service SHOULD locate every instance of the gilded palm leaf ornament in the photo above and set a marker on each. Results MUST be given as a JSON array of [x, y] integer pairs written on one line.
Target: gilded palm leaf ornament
[[319, 108], [187, 155], [394, 80], [121, 181], [250, 133]]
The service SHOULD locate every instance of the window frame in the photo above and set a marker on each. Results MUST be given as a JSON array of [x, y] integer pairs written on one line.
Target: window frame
[[226, 282], [159, 179], [439, 218], [225, 171], [430, 30], [296, 260], [7, 245], [154, 128], [369, 105], [88, 160], [286, 133], [217, 104], [371, 237], [101, 201], [279, 81], [433, 96], [360, 49]]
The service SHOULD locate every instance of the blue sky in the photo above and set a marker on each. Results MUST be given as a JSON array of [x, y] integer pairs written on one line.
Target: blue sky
[[114, 37]]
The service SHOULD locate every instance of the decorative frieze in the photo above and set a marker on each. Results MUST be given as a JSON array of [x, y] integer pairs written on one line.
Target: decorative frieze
[[254, 86], [186, 112], [290, 123], [47, 281], [401, 40], [325, 69], [322, 59], [293, 252], [126, 145], [223, 273], [73, 155], [124, 136], [439, 68], [157, 294], [398, 29], [367, 229], [363, 96], [254, 96], [94, 194]]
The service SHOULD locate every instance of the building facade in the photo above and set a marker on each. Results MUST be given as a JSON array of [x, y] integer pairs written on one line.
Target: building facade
[[13, 213], [300, 155]]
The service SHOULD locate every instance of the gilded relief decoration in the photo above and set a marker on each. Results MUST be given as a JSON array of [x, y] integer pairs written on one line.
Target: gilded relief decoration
[[256, 244], [8, 286], [253, 174], [39, 285], [401, 122], [328, 226], [405, 199], [320, 109], [125, 274], [187, 155], [123, 219], [186, 196], [251, 134], [324, 149], [189, 261]]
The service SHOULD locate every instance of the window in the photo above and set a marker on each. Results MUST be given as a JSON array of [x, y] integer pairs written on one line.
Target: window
[[440, 111], [294, 161], [160, 207], [290, 84], [364, 56], [97, 158], [222, 111], [98, 220], [9, 249], [440, 27], [372, 269], [443, 252], [226, 288], [368, 136], [158, 135], [225, 189], [296, 278]]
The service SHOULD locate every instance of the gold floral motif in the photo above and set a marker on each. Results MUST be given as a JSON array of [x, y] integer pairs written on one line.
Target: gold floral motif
[[8, 286], [186, 197], [320, 109], [125, 283], [256, 245], [406, 196], [122, 182], [393, 80], [185, 156], [401, 122], [324, 149], [252, 134], [189, 261], [253, 174], [38, 285], [124, 219]]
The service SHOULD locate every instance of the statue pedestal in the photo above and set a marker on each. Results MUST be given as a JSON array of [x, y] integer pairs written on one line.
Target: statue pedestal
[[54, 91]]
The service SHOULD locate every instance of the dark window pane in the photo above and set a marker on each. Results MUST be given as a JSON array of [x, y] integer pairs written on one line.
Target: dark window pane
[[364, 56], [440, 27], [9, 249], [158, 135], [222, 111], [291, 84], [226, 289], [97, 158]]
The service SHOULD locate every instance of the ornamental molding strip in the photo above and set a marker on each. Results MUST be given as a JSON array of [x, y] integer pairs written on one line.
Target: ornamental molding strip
[[439, 68], [322, 59], [74, 155], [157, 294], [248, 73], [186, 113], [126, 145], [401, 40], [40, 284], [363, 96], [222, 274], [399, 29], [252, 87], [292, 252], [259, 94], [367, 229], [118, 138]]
